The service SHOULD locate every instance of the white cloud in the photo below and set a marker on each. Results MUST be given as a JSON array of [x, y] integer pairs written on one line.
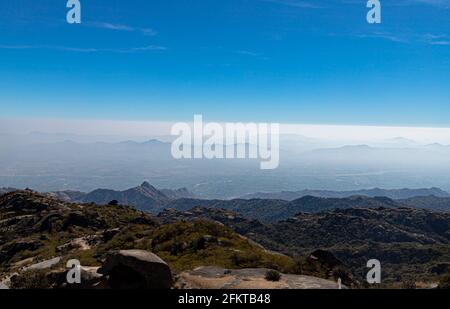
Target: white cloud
[[121, 27], [147, 48], [385, 36], [436, 39], [440, 43], [60, 48]]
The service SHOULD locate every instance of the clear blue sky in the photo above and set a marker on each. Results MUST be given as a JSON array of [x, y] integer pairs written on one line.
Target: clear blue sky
[[237, 60]]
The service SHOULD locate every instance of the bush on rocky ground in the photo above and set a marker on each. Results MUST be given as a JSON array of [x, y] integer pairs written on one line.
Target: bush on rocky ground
[[273, 275]]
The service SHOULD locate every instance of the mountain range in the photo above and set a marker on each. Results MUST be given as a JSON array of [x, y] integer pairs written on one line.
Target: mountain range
[[395, 194], [144, 197], [148, 198], [410, 243], [276, 210]]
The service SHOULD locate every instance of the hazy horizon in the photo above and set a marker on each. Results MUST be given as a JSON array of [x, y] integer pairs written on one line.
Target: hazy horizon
[[331, 79], [141, 130]]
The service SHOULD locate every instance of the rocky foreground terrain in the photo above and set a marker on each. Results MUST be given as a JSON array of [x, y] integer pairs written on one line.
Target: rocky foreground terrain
[[121, 247], [118, 246], [211, 277], [412, 244]]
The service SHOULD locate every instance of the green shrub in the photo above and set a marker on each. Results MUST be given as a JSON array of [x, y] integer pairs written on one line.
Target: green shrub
[[272, 275], [31, 279]]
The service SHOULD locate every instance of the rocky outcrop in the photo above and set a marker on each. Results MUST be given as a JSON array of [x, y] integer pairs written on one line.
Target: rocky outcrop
[[126, 269], [136, 269], [325, 258], [252, 278], [33, 224], [177, 193]]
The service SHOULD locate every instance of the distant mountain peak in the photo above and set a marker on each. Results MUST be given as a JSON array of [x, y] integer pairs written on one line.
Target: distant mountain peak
[[147, 185], [401, 139], [144, 197], [361, 146]]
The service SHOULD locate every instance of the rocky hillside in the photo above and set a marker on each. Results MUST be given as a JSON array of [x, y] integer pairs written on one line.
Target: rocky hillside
[[34, 227], [429, 202], [276, 210], [39, 232], [271, 211], [148, 198], [177, 193], [6, 190], [411, 243]]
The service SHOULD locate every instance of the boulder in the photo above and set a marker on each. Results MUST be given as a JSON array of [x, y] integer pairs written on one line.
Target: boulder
[[109, 234], [326, 258], [78, 218], [51, 222], [11, 249], [136, 269]]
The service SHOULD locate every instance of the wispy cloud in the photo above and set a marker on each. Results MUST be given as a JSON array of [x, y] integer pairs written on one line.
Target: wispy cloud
[[111, 26], [121, 27], [247, 53], [148, 48], [440, 42], [385, 36], [436, 39], [432, 39], [251, 54], [60, 48]]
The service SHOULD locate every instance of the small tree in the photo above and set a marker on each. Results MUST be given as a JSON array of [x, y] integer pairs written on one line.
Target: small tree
[[31, 279], [113, 203], [273, 275]]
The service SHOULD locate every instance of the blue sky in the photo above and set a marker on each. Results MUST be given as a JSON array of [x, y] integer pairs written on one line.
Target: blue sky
[[288, 61]]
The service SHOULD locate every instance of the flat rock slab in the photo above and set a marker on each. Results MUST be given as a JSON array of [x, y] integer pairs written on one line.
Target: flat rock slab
[[44, 264], [3, 286], [251, 278]]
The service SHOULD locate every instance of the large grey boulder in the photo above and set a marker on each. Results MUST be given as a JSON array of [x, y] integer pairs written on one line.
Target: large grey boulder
[[136, 269]]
